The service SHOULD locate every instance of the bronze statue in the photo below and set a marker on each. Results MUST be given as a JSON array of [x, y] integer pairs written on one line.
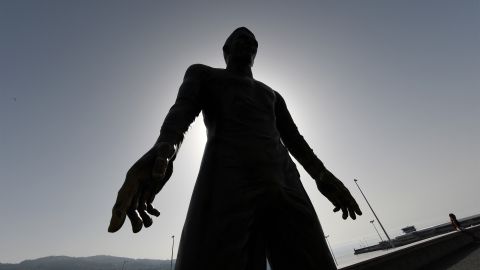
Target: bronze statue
[[248, 203]]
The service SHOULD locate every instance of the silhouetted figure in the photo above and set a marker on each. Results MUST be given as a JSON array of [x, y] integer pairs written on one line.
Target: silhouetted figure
[[455, 223], [248, 202]]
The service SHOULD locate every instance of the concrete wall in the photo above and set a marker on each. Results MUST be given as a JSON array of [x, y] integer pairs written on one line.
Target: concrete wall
[[416, 256]]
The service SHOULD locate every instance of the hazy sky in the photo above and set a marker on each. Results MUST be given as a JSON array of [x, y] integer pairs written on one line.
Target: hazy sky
[[387, 92]]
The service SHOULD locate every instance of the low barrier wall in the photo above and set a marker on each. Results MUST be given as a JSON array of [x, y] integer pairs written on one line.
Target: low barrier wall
[[422, 254]]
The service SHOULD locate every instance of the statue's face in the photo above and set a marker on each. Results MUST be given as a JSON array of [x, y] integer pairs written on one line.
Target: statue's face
[[242, 49]]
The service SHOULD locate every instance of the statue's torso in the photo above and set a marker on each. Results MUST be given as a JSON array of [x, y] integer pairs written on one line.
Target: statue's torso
[[244, 143], [238, 108]]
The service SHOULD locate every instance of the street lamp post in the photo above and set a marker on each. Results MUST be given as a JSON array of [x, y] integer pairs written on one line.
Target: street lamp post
[[388, 237], [171, 258], [331, 250], [375, 227]]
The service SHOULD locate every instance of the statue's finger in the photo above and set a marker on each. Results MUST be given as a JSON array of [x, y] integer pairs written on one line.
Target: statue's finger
[[152, 211], [142, 206], [352, 213], [344, 212], [147, 220], [349, 203], [353, 205], [135, 220], [336, 202], [119, 210], [118, 218], [132, 214], [356, 208]]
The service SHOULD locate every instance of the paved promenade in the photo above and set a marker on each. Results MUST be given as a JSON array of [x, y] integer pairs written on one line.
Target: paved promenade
[[467, 258], [451, 251]]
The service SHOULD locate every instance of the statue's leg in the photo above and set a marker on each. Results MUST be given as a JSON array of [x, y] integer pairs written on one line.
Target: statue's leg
[[256, 256], [232, 242], [239, 245], [294, 237]]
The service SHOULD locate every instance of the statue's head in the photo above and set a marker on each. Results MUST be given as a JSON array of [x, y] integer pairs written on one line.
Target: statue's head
[[240, 47]]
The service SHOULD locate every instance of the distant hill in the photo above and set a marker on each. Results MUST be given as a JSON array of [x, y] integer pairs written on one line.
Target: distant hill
[[88, 263], [100, 262]]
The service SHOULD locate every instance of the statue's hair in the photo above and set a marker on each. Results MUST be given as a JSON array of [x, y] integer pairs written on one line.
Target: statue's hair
[[226, 46]]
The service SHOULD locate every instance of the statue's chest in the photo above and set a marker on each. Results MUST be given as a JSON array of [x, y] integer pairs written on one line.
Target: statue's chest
[[238, 95]]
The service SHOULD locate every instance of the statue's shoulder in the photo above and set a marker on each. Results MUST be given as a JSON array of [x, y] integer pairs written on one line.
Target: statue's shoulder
[[266, 87], [262, 85], [199, 71]]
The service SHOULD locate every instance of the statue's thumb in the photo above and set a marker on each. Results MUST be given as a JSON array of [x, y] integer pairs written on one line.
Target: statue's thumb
[[118, 218]]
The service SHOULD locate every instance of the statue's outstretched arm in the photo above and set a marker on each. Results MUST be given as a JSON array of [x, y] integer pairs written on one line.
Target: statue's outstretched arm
[[150, 173], [327, 183]]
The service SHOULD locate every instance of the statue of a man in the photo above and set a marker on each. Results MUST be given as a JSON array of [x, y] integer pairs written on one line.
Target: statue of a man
[[248, 203]]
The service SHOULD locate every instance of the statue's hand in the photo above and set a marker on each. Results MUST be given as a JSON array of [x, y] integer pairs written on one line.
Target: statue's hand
[[338, 194], [143, 181]]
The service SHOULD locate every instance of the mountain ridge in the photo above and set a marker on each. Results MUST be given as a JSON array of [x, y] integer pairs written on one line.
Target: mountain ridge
[[97, 262]]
